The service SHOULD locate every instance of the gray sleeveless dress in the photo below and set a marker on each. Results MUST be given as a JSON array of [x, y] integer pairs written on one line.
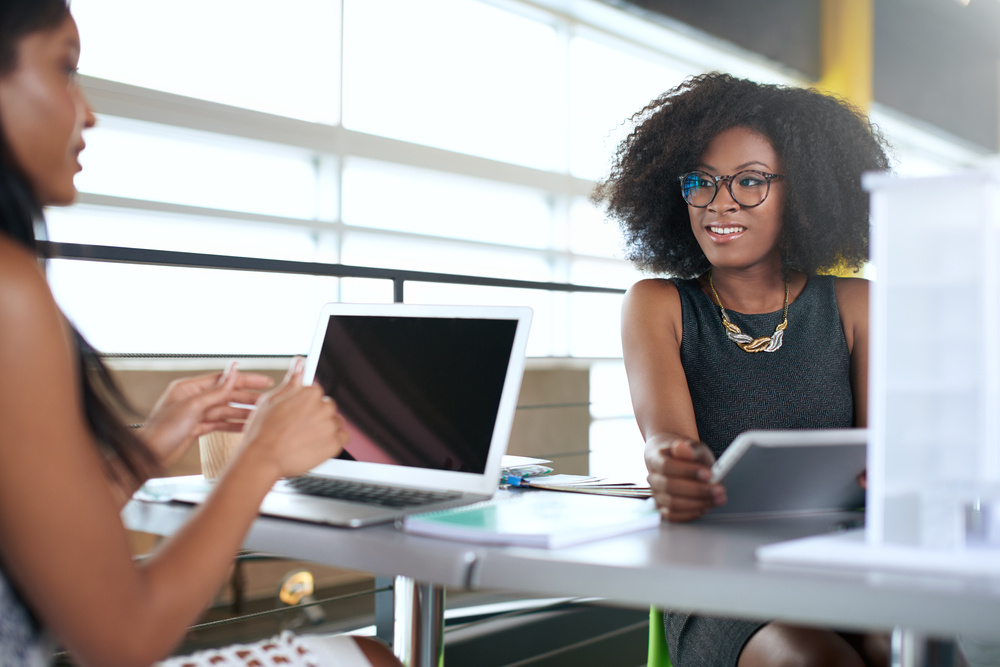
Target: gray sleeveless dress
[[804, 384]]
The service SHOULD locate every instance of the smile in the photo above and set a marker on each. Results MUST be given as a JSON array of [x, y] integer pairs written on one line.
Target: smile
[[727, 230]]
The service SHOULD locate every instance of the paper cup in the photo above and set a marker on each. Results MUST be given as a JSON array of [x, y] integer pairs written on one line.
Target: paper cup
[[217, 448]]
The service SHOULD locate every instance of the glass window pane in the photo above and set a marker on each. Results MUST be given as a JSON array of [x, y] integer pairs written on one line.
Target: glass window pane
[[100, 225], [406, 199], [547, 336], [126, 308], [141, 160], [365, 290], [609, 392], [591, 233], [455, 74], [594, 328], [607, 86], [603, 273], [616, 449], [389, 251], [278, 57]]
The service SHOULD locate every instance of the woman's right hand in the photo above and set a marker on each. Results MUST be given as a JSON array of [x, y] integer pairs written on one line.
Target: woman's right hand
[[679, 473], [294, 427]]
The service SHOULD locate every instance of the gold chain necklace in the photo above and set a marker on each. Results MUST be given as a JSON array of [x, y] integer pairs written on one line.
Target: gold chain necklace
[[748, 343]]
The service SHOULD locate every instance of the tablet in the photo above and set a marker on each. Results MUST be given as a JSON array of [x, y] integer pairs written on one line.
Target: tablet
[[792, 472]]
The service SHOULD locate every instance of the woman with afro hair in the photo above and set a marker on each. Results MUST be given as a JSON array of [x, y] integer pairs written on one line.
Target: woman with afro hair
[[742, 196]]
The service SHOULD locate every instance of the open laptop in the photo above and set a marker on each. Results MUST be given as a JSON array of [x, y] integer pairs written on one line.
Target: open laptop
[[428, 393]]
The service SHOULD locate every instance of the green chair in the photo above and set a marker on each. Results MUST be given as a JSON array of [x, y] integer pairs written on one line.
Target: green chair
[[657, 656]]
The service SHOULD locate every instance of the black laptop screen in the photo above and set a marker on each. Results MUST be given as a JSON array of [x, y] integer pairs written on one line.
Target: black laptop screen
[[417, 391]]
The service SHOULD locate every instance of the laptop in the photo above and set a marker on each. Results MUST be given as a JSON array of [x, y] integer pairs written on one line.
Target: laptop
[[428, 394], [802, 471]]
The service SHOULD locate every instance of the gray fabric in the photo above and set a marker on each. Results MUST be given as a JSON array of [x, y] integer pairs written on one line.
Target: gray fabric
[[804, 384], [22, 643], [706, 641]]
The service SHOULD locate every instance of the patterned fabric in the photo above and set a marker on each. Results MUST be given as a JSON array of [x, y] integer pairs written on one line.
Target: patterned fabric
[[22, 642], [805, 384], [285, 650]]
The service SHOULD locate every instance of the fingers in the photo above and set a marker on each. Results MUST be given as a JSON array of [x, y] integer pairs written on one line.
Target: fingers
[[255, 381], [228, 372], [683, 448], [293, 378], [679, 478], [296, 426]]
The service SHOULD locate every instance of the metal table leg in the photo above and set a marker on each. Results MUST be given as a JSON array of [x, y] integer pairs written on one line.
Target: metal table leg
[[908, 648], [384, 610], [419, 623]]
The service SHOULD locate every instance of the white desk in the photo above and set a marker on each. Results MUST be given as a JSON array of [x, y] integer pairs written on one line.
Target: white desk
[[707, 567]]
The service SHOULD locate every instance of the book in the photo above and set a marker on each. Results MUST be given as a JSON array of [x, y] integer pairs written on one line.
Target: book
[[538, 519]]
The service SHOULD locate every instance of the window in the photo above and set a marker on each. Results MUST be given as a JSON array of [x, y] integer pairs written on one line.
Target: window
[[459, 75], [450, 136], [281, 58]]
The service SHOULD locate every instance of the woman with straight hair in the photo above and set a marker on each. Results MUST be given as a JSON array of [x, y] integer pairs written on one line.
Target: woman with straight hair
[[67, 461]]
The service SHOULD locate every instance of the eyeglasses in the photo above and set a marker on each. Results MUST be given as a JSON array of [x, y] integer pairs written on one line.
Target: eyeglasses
[[748, 188]]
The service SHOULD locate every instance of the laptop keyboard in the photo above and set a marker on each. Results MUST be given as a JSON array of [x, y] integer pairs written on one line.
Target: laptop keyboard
[[372, 494]]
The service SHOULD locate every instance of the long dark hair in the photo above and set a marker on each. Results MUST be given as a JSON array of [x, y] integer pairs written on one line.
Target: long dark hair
[[20, 212]]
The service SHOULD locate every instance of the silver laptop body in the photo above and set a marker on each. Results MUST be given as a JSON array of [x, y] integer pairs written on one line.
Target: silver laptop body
[[429, 394]]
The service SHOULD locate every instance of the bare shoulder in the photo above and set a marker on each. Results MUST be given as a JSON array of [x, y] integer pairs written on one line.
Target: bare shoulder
[[852, 302], [653, 292], [31, 323], [852, 294], [23, 289], [652, 305]]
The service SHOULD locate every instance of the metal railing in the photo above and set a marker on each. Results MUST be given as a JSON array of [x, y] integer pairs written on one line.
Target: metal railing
[[398, 277]]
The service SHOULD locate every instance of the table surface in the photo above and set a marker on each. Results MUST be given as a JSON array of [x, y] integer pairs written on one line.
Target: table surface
[[704, 566]]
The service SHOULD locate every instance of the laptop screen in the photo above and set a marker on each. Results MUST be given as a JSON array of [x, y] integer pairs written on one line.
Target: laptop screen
[[417, 391]]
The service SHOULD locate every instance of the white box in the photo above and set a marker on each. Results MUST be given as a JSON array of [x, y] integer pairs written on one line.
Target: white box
[[934, 361]]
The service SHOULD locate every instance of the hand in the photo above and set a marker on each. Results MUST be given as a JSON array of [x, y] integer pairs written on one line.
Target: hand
[[295, 427], [679, 474], [194, 406]]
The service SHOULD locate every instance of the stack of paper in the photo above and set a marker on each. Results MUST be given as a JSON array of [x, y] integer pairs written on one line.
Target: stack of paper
[[525, 471], [602, 486], [533, 518], [517, 468]]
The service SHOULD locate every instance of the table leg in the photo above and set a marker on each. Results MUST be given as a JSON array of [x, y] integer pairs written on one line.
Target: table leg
[[419, 623], [908, 648], [384, 609]]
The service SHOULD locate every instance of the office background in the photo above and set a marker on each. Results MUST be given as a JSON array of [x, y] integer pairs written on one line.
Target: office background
[[457, 136]]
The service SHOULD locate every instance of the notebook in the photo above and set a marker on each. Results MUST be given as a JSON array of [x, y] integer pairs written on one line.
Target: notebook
[[428, 394], [538, 518], [792, 472]]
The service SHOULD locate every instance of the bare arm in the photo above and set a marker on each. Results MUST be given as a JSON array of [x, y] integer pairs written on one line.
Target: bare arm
[[61, 538], [678, 464], [852, 302]]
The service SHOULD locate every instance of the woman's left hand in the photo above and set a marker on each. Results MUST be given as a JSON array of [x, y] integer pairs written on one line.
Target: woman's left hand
[[192, 407]]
